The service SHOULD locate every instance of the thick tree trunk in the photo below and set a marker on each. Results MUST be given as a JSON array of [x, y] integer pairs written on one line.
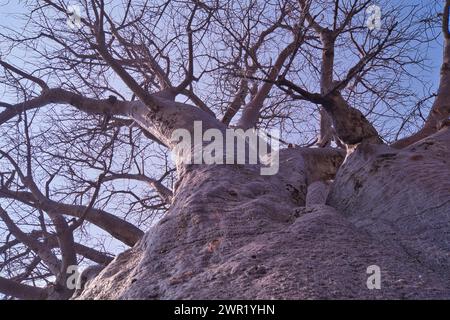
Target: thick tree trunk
[[401, 198], [232, 233]]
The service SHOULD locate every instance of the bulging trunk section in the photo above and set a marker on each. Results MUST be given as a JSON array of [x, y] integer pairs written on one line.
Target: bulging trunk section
[[401, 198]]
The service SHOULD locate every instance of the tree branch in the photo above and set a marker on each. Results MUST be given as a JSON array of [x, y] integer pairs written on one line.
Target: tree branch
[[165, 193], [250, 113], [440, 110], [61, 96], [34, 79], [40, 249], [21, 291]]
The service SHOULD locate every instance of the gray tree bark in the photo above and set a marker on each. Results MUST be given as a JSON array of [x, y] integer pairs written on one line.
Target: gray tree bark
[[232, 233]]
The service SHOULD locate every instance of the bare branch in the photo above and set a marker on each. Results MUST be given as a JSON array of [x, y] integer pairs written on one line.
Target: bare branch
[[21, 291]]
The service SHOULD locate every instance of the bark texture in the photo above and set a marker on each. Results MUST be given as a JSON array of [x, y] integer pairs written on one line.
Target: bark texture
[[232, 233]]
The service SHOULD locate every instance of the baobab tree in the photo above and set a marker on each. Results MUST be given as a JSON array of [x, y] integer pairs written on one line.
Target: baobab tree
[[94, 94]]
